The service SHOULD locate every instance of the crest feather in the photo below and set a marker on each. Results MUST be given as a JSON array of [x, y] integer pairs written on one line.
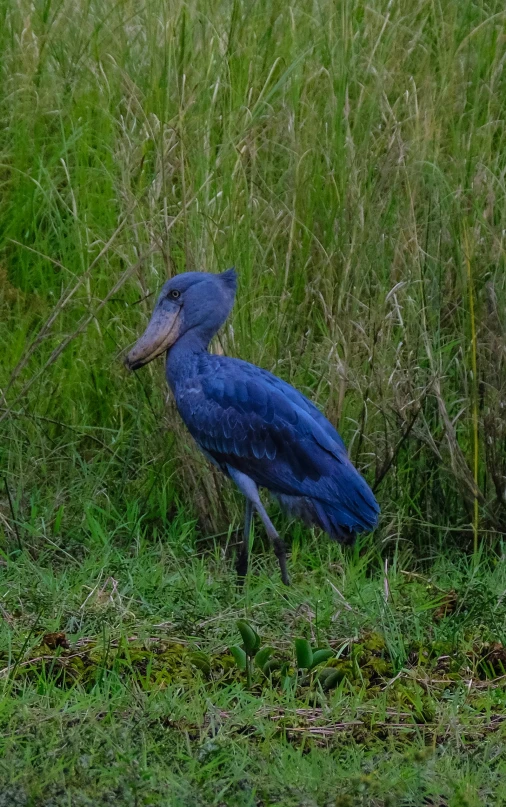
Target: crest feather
[[230, 278]]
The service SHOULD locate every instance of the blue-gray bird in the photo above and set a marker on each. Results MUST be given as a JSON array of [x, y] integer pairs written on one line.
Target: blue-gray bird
[[259, 430]]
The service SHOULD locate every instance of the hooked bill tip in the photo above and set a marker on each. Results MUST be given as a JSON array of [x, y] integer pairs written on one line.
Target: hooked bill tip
[[129, 364]]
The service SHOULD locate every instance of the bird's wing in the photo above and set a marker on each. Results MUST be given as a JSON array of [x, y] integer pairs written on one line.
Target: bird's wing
[[241, 419], [306, 405]]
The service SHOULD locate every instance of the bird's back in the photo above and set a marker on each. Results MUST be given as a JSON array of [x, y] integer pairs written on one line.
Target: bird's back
[[247, 419]]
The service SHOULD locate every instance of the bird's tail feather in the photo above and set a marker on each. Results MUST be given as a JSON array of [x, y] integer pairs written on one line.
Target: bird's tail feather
[[330, 521], [337, 522]]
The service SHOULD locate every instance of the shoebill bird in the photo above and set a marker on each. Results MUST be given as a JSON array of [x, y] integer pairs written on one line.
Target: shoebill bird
[[258, 430]]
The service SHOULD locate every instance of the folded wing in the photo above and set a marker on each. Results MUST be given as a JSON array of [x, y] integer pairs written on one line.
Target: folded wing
[[245, 418]]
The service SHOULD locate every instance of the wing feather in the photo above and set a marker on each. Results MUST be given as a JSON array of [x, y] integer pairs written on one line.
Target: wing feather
[[251, 421]]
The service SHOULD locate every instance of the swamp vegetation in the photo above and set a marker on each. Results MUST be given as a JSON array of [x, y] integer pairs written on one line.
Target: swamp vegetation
[[349, 160]]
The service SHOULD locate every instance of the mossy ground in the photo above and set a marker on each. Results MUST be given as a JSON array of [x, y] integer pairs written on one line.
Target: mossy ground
[[117, 690]]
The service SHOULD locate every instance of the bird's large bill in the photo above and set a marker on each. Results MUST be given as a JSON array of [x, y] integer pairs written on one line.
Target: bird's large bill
[[159, 336]]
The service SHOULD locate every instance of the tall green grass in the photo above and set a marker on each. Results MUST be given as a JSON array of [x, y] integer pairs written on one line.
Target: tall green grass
[[347, 159]]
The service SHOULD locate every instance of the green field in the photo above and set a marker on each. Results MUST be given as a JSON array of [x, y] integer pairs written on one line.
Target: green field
[[350, 160]]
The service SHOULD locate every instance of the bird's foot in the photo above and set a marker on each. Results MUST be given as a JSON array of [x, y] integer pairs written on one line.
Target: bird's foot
[[285, 578]]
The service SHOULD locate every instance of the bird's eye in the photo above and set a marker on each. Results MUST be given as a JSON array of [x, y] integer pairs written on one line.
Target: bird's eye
[[175, 294]]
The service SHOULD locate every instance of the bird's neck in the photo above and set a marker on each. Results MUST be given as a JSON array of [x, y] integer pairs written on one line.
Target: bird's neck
[[183, 357]]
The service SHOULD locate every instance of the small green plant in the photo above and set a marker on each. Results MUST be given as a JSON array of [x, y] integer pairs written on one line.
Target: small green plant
[[303, 654], [250, 654], [250, 651], [307, 658]]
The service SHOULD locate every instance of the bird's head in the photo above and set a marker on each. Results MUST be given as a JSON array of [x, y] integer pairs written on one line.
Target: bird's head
[[191, 301]]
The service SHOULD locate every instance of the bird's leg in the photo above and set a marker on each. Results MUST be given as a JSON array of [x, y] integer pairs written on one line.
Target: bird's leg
[[277, 542], [242, 560], [250, 490]]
